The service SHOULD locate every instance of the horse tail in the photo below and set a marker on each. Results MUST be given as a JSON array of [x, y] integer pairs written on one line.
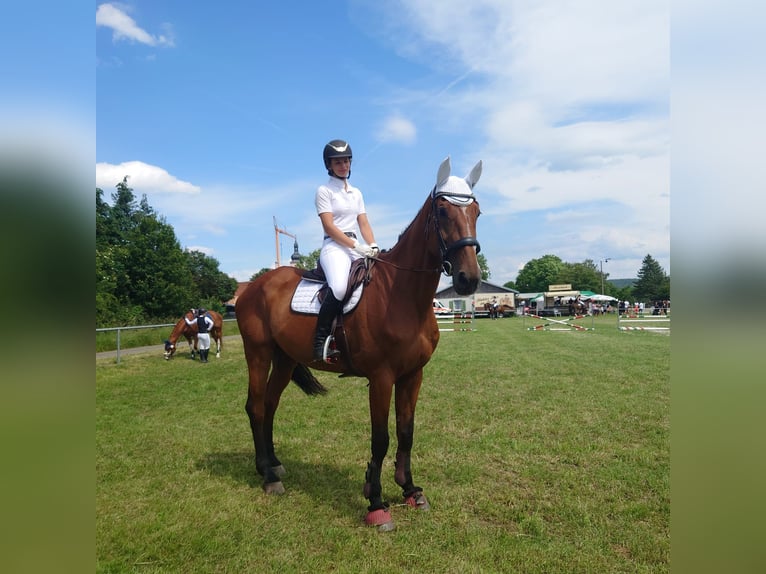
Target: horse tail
[[308, 383]]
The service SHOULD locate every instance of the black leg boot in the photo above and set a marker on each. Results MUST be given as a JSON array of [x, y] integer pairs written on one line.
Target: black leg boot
[[327, 312], [203, 355]]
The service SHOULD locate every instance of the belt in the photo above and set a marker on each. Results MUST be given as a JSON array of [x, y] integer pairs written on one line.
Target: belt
[[350, 234]]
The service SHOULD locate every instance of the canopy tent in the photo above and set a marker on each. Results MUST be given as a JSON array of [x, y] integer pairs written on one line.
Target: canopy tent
[[597, 297], [564, 295], [528, 296]]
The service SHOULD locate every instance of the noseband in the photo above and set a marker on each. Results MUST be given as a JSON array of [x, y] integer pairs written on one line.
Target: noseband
[[447, 250]]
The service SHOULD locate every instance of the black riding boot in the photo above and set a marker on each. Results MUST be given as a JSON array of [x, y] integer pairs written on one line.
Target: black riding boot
[[327, 312], [203, 355]]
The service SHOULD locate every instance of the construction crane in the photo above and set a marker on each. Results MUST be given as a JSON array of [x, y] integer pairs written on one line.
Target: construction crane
[[277, 231]]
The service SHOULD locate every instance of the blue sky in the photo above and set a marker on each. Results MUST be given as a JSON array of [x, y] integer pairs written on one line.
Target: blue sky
[[219, 115]]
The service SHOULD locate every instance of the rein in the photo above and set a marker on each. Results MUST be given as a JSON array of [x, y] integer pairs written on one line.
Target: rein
[[392, 264]]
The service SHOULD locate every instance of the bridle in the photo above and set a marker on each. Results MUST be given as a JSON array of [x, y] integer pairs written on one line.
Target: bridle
[[444, 249]]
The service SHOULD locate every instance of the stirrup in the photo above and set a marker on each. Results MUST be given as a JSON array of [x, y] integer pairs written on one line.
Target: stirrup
[[330, 353]]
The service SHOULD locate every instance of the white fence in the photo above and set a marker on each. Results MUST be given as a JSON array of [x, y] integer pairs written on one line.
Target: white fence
[[119, 329]]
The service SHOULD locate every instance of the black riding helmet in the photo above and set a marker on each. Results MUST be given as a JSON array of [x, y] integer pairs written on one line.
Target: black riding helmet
[[333, 149], [201, 312]]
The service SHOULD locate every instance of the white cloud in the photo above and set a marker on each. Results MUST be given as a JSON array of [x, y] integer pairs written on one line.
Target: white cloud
[[397, 129], [142, 177], [202, 249], [125, 28]]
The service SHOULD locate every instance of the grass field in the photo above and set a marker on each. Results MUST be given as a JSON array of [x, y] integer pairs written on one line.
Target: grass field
[[540, 451]]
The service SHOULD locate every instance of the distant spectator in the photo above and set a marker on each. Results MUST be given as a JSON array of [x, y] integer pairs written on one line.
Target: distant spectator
[[204, 325]]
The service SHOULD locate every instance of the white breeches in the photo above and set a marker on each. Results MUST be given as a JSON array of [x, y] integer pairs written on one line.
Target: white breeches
[[203, 341], [336, 264]]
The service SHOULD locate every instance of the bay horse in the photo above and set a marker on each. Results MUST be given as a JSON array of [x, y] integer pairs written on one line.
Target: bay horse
[[577, 307], [493, 309], [190, 333], [389, 336]]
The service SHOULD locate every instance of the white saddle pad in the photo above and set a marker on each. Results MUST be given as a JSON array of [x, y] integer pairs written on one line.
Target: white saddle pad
[[305, 298]]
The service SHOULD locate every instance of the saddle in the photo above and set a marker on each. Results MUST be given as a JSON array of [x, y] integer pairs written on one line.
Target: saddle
[[312, 288]]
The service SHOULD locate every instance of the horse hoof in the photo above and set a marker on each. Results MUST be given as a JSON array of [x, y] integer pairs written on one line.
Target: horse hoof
[[279, 470], [274, 487], [380, 518], [418, 500]]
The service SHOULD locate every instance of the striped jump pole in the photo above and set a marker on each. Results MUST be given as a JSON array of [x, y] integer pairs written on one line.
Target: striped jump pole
[[454, 321], [625, 322], [564, 322]]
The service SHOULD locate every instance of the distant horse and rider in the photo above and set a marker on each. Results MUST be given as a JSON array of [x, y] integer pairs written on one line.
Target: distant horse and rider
[[497, 308], [387, 337], [577, 307], [189, 332], [493, 308]]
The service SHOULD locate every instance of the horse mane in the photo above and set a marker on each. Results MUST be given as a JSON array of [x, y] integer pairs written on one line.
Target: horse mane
[[404, 232]]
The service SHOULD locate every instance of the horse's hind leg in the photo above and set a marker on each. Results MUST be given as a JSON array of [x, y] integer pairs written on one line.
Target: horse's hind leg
[[407, 390], [219, 346], [262, 401]]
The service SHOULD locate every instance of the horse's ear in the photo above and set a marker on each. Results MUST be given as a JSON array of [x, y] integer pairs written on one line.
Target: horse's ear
[[474, 176], [443, 173]]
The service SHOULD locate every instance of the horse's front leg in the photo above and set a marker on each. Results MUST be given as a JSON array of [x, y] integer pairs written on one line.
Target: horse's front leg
[[378, 513], [218, 347], [407, 390]]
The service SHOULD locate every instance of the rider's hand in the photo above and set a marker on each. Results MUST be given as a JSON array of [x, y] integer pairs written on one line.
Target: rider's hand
[[362, 249], [375, 249]]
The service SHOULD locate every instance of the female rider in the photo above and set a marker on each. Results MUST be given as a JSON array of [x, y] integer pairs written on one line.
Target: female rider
[[341, 210]]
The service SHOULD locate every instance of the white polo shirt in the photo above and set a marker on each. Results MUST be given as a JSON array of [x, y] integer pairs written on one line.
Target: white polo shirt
[[344, 205]]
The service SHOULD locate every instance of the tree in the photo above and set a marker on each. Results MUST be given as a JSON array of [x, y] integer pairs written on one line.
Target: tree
[[538, 274], [157, 276], [583, 276], [622, 293], [510, 285], [484, 266], [652, 284], [212, 285], [142, 274], [309, 261], [263, 271]]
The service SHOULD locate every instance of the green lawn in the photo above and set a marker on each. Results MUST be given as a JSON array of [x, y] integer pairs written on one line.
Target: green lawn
[[540, 451]]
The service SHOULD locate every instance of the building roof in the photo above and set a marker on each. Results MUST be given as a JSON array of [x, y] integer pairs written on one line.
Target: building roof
[[484, 287], [241, 286]]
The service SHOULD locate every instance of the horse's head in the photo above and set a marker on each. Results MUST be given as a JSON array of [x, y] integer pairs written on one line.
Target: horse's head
[[170, 348], [455, 211]]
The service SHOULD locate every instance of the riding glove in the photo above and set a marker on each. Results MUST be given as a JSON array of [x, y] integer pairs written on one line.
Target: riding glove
[[362, 249]]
